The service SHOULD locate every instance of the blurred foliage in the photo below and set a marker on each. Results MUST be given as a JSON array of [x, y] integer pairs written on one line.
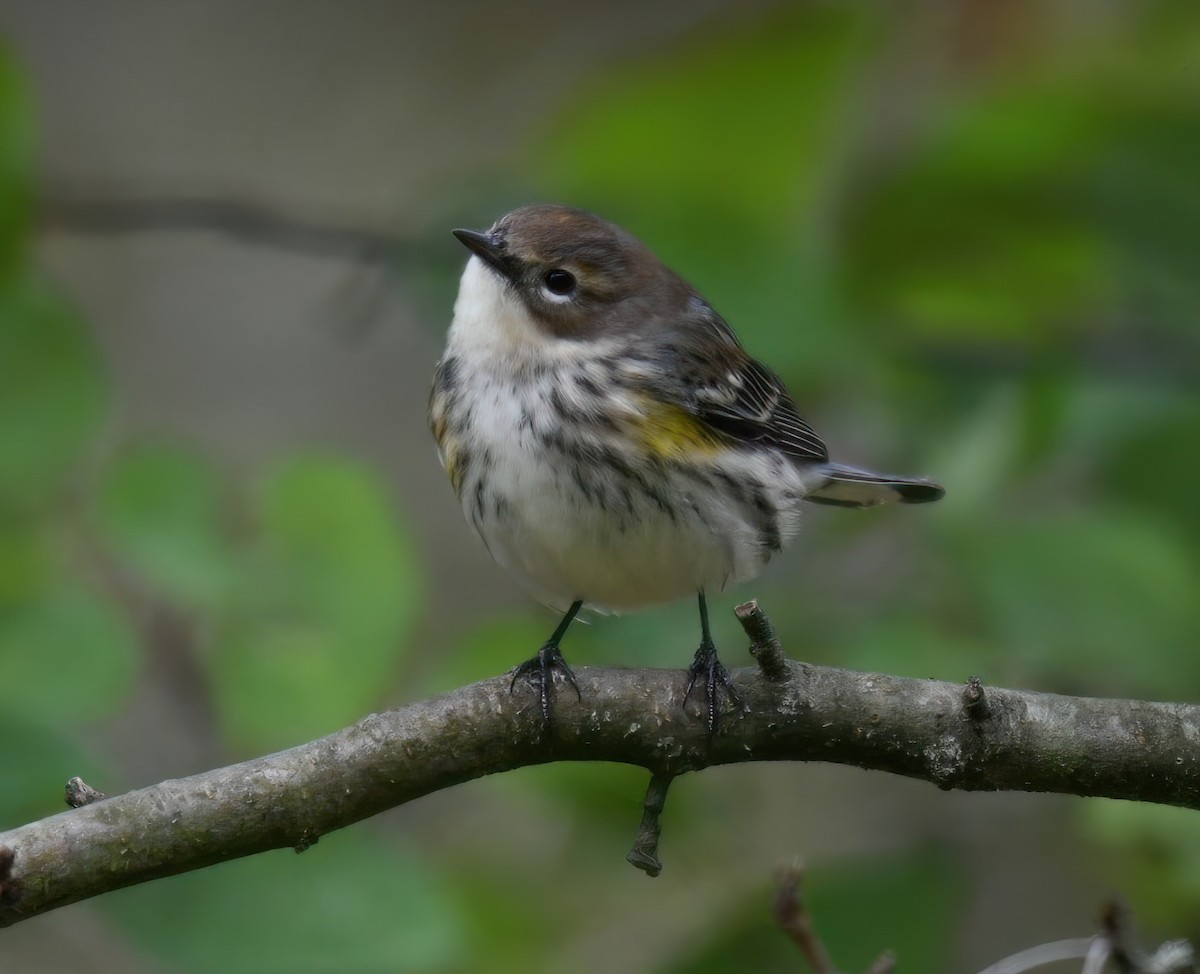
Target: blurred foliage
[[725, 155], [298, 594], [350, 903], [323, 602], [903, 905], [986, 262], [16, 162], [1156, 851]]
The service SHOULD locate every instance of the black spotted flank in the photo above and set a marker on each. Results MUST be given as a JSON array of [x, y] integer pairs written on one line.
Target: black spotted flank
[[588, 385], [447, 375]]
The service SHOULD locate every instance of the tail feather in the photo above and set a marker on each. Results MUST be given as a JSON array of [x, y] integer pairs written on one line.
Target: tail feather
[[849, 487]]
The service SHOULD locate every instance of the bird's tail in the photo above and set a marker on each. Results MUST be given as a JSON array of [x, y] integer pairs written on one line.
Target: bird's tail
[[848, 487]]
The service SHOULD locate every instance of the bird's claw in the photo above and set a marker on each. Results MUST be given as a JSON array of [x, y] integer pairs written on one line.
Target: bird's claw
[[539, 671], [707, 668]]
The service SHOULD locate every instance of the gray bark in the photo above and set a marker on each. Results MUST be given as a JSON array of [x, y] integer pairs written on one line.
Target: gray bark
[[954, 736]]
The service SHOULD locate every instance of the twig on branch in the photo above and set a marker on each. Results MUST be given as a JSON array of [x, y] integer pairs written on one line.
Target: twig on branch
[[764, 644], [80, 793], [644, 854], [975, 701], [1027, 742]]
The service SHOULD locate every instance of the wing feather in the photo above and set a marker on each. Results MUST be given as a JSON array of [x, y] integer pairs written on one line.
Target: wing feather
[[735, 394]]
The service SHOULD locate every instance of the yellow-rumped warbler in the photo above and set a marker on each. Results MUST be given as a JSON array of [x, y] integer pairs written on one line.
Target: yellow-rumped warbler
[[609, 438]]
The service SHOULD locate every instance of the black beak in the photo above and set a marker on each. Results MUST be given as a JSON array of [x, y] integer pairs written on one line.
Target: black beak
[[489, 248]]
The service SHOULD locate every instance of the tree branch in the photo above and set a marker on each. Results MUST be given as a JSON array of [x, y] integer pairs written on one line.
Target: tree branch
[[919, 728], [63, 209], [79, 212]]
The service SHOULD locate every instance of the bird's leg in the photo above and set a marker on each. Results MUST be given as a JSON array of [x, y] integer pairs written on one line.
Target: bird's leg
[[707, 667], [540, 669]]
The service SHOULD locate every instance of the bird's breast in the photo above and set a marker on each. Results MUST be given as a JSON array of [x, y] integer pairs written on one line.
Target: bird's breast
[[589, 489]]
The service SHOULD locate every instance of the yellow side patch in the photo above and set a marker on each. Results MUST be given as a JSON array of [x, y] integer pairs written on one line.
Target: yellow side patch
[[452, 468], [449, 451], [437, 423], [670, 433]]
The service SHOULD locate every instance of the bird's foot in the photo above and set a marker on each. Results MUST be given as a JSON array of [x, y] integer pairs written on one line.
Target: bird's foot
[[539, 672], [706, 669]]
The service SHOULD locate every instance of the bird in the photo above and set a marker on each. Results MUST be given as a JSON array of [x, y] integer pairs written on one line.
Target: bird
[[610, 439]]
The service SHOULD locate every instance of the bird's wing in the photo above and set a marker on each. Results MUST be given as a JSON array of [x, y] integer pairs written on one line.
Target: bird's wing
[[749, 402], [736, 395]]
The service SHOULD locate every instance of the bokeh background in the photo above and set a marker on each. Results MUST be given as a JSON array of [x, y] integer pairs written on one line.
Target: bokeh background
[[968, 235]]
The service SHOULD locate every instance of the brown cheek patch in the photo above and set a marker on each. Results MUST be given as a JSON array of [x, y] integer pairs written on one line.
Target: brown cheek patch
[[564, 321]]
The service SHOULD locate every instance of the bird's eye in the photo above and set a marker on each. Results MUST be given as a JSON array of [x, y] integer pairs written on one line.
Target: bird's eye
[[559, 281]]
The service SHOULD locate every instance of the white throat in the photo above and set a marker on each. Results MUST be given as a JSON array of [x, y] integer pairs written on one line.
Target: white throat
[[488, 313], [493, 327]]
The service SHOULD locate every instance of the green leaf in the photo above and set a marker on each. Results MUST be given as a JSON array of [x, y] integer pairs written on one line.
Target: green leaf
[[68, 656], [327, 596], [981, 232], [763, 102], [159, 509], [27, 565], [51, 394], [1156, 465], [350, 903]]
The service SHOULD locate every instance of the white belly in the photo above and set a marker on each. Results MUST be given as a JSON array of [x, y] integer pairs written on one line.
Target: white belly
[[573, 526], [567, 546]]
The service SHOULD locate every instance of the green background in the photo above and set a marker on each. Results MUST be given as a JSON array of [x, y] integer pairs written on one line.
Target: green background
[[990, 277]]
